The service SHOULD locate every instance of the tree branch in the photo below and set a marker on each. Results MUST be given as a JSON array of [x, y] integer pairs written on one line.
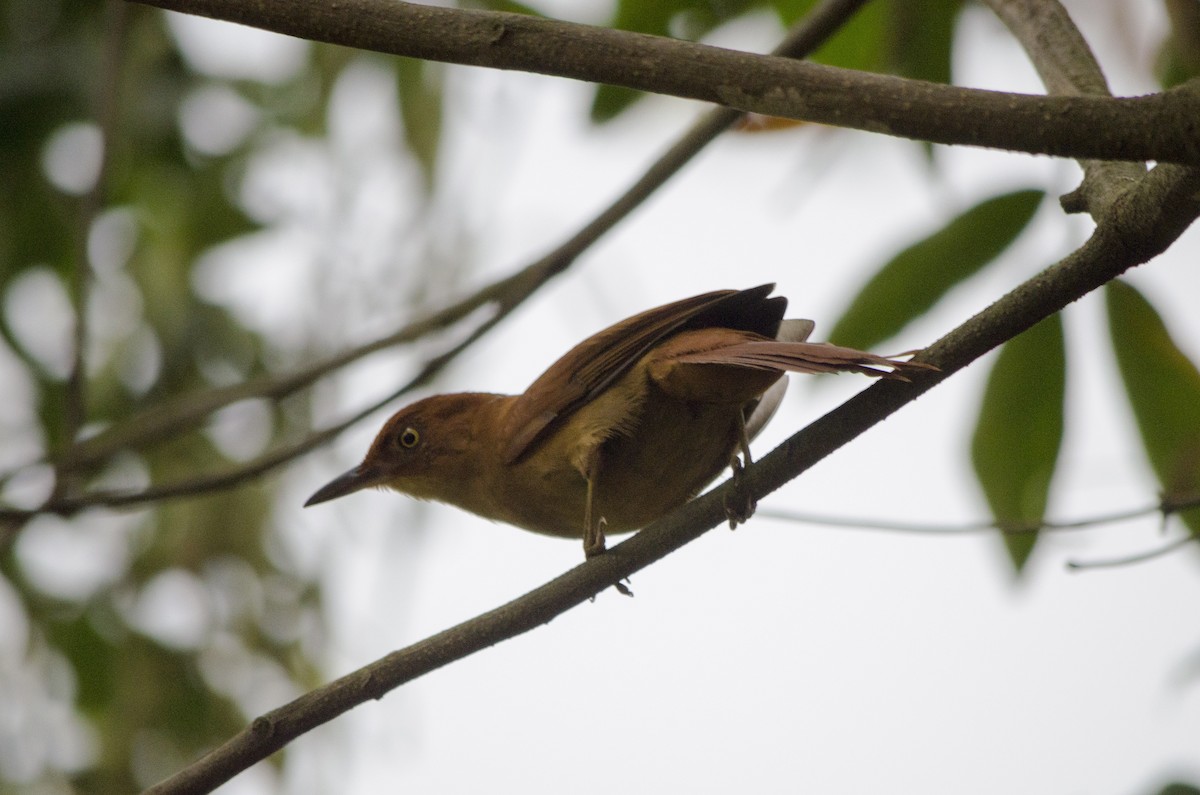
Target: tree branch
[[90, 206], [235, 476], [1140, 225], [1164, 127], [1164, 508], [1067, 67], [1055, 46], [1129, 560], [175, 416]]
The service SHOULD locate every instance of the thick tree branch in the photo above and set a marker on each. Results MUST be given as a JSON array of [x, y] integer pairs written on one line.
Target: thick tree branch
[[1055, 46], [1140, 225], [1067, 67], [1163, 127]]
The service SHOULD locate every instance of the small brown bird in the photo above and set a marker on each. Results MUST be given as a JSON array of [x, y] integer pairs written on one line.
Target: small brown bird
[[628, 425]]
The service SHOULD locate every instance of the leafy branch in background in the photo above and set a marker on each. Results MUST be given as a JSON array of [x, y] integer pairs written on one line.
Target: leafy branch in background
[[1156, 127]]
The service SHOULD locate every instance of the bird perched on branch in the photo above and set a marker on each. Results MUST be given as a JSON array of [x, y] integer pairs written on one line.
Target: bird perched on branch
[[628, 425]]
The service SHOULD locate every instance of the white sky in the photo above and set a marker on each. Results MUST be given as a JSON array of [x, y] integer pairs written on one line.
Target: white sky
[[780, 658]]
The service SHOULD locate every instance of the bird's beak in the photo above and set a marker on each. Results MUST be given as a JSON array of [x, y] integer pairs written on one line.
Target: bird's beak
[[360, 477]]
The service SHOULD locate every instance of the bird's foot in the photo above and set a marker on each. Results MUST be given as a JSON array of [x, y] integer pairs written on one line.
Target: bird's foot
[[739, 503], [593, 545], [593, 539]]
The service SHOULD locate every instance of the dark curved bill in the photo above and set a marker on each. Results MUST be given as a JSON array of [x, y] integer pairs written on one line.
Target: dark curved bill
[[348, 483]]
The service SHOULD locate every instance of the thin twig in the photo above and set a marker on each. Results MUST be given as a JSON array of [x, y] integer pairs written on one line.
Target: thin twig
[[235, 476], [1128, 560], [106, 112], [184, 413], [1163, 508]]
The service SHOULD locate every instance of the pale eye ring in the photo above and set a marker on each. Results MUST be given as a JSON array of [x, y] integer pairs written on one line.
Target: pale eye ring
[[409, 438]]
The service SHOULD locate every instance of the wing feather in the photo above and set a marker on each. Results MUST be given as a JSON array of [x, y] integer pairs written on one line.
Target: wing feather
[[593, 365], [801, 357]]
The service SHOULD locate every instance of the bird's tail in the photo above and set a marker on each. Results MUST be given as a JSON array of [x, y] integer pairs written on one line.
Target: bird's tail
[[805, 357]]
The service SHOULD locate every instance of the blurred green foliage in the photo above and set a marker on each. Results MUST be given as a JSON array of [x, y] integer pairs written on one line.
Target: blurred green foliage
[[132, 231]]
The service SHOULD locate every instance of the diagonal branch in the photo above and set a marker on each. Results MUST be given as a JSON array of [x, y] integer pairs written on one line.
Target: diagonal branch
[[235, 476], [1140, 225], [184, 413], [1163, 127]]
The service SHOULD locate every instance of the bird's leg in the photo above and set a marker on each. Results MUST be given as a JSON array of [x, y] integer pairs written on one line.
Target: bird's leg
[[593, 529], [740, 503], [593, 526]]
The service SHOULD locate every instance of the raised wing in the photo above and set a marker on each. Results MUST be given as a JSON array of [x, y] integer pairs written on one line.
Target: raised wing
[[592, 365]]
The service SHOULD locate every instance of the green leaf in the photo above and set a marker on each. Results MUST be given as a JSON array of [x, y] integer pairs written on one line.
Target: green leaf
[[1015, 446], [1179, 788], [420, 89], [911, 38], [1179, 56], [862, 43], [93, 657], [917, 278], [1163, 386], [687, 19], [921, 34]]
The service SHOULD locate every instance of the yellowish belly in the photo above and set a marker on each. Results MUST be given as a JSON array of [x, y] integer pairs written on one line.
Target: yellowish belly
[[663, 456]]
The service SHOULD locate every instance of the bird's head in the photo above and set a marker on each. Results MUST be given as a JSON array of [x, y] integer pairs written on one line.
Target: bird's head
[[423, 450]]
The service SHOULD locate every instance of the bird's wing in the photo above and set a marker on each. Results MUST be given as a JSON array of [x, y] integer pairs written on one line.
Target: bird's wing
[[590, 367]]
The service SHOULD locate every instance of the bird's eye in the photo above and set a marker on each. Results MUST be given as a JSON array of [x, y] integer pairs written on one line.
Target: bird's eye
[[408, 438]]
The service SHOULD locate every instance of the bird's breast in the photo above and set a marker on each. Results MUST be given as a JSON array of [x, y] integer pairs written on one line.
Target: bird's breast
[[649, 451]]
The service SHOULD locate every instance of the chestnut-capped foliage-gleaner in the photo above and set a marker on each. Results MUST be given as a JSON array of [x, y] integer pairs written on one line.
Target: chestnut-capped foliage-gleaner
[[628, 425]]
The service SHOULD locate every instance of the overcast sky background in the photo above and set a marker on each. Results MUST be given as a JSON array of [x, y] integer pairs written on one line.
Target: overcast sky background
[[781, 657]]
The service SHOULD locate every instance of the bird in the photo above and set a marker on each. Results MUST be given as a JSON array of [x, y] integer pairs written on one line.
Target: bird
[[628, 425]]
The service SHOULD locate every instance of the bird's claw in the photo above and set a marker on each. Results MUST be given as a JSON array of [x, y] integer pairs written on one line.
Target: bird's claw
[[593, 541], [739, 502], [593, 545]]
